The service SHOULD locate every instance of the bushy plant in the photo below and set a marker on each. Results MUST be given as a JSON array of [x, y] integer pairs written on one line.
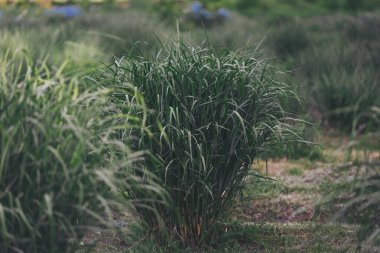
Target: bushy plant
[[59, 153], [212, 113]]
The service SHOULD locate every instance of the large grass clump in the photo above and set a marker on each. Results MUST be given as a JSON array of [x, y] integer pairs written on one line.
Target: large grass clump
[[212, 113], [59, 153]]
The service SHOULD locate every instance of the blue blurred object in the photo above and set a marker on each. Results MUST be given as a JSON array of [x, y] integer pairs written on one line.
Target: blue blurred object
[[1, 14], [196, 7], [205, 14], [199, 15], [223, 13], [67, 11], [199, 11]]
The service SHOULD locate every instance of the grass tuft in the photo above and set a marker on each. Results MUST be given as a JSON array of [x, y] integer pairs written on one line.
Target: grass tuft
[[212, 114], [60, 153]]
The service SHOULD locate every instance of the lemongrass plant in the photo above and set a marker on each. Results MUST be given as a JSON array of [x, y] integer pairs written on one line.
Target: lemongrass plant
[[212, 113]]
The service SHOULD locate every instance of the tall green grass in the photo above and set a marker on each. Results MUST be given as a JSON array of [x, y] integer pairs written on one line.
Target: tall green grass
[[212, 113], [61, 156]]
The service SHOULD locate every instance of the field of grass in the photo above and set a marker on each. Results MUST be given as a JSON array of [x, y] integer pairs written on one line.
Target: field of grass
[[121, 131]]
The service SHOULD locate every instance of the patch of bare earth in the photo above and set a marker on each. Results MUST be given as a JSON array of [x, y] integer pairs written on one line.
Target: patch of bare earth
[[298, 202], [111, 238], [284, 208]]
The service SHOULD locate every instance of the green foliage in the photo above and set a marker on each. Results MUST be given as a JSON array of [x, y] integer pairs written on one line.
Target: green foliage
[[338, 91], [211, 115], [57, 44], [302, 7], [60, 153], [295, 171], [168, 8], [343, 89], [332, 5], [289, 39], [305, 149], [86, 41], [263, 186]]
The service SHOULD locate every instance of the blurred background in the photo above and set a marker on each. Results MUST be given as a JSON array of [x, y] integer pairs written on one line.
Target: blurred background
[[330, 48]]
